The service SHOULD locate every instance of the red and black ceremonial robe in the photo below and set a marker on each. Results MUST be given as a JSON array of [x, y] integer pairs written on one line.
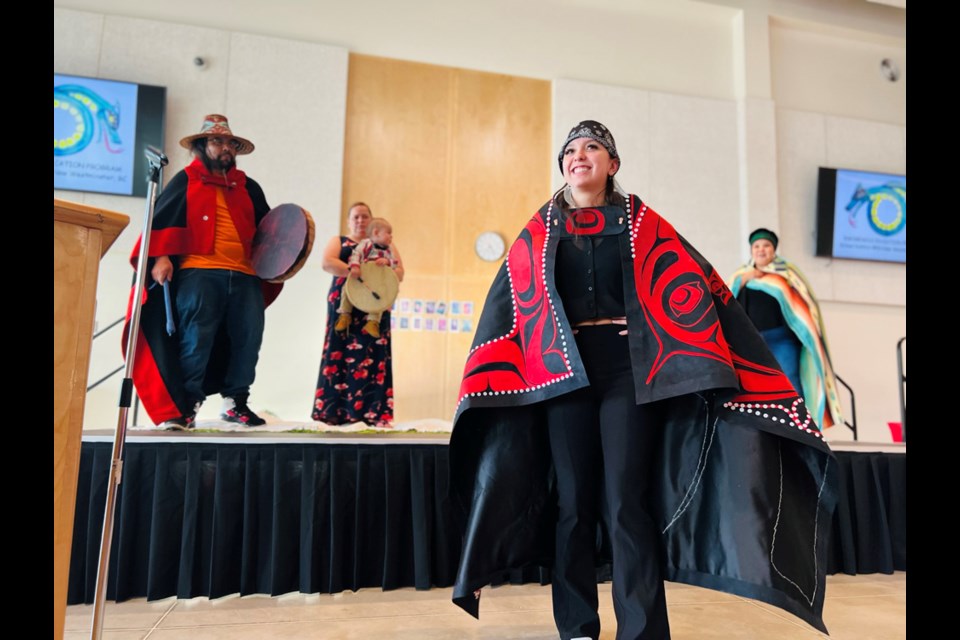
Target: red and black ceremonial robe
[[182, 224], [745, 485]]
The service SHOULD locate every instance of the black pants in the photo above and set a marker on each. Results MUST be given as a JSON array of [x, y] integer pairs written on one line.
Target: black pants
[[601, 442]]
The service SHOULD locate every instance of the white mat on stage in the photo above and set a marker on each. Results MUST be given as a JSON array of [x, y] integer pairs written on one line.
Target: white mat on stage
[[426, 431], [275, 425]]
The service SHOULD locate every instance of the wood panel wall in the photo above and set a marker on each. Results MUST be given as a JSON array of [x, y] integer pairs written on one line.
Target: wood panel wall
[[444, 154]]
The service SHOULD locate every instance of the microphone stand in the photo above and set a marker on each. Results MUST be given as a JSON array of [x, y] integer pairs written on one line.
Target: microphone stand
[[157, 161]]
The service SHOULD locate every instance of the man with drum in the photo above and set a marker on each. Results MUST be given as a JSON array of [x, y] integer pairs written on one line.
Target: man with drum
[[200, 245]]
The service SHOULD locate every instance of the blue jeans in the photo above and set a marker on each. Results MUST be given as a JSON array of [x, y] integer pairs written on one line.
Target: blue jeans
[[209, 300], [786, 349]]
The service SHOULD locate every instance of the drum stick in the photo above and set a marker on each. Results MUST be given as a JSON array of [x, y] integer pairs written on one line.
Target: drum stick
[[171, 328], [375, 294]]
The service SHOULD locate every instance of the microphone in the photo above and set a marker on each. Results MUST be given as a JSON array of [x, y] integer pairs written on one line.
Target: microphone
[[156, 156]]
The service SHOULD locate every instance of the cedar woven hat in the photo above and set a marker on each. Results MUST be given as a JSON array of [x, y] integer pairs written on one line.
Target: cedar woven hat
[[216, 125]]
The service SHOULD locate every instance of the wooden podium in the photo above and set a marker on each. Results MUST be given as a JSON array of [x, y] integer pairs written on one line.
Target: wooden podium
[[81, 235]]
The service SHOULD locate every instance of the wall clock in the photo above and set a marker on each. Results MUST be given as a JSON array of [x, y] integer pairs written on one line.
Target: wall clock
[[490, 246]]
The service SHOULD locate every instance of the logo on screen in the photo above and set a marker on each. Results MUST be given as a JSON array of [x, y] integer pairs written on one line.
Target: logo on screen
[[886, 207], [78, 114]]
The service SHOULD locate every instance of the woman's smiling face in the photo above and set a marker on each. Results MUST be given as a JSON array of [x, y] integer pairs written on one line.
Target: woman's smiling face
[[762, 252], [587, 165]]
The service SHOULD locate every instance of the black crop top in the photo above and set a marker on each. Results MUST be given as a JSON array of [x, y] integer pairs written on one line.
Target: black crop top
[[589, 270]]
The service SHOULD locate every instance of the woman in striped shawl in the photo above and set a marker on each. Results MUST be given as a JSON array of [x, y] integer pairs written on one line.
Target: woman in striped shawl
[[780, 302]]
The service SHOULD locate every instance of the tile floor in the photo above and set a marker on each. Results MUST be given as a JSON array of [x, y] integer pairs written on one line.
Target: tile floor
[[857, 608]]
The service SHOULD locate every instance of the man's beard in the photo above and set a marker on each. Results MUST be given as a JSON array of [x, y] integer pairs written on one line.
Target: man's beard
[[222, 163]]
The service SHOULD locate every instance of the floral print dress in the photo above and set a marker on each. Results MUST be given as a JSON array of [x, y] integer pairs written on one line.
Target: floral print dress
[[356, 380]]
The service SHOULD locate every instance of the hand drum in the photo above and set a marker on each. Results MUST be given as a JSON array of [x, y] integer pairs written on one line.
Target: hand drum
[[375, 290], [282, 243]]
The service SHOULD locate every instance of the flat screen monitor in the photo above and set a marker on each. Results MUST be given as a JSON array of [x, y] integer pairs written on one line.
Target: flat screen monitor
[[100, 131], [862, 215]]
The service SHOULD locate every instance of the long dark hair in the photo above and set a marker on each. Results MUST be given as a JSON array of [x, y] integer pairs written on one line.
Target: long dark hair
[[199, 148]]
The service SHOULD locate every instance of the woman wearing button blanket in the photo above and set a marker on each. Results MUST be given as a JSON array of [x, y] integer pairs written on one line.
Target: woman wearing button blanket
[[616, 387]]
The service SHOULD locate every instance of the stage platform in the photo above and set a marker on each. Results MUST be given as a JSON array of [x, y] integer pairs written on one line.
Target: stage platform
[[297, 507]]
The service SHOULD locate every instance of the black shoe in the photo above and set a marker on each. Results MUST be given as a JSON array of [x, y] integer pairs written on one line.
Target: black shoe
[[183, 423], [236, 410]]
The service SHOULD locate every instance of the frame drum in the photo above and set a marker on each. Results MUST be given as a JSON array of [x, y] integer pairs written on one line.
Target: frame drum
[[282, 243], [375, 290]]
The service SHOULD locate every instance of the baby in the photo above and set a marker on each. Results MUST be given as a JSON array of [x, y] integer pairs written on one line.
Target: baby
[[376, 248]]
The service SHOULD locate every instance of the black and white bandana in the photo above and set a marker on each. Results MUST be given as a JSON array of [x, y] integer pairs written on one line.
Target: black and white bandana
[[590, 129]]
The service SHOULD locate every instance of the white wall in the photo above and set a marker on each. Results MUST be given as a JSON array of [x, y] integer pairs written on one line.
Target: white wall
[[674, 45], [722, 112], [837, 73]]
